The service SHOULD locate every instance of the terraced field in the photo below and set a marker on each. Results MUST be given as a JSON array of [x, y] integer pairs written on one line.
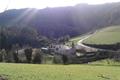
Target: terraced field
[[109, 35], [59, 72]]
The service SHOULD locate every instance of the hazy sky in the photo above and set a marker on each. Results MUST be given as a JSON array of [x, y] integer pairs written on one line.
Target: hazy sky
[[16, 4]]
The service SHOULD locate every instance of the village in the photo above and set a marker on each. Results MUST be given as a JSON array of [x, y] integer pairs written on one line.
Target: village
[[58, 53]]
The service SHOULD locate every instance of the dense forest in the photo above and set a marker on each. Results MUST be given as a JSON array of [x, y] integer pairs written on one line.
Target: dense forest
[[11, 37], [33, 26]]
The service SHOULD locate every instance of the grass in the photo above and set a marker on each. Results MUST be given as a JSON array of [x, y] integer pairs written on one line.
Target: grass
[[75, 39], [59, 72], [109, 35], [106, 62]]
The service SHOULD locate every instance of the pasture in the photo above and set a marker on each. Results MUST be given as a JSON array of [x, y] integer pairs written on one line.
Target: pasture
[[109, 35], [59, 72]]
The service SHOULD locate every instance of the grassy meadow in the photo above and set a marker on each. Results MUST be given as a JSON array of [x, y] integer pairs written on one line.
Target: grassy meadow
[[109, 35], [59, 72]]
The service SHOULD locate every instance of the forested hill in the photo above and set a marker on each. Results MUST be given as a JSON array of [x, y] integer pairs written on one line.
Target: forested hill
[[61, 21]]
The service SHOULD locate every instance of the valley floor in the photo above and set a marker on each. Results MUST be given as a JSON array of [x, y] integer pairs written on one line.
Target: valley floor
[[59, 72]]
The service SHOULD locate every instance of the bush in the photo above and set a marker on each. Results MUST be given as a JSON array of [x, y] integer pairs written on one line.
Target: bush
[[116, 57], [47, 59], [57, 59]]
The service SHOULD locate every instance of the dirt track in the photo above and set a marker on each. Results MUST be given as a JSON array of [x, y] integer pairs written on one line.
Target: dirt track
[[80, 45]]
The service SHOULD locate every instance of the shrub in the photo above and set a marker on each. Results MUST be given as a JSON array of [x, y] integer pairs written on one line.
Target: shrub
[[57, 59]]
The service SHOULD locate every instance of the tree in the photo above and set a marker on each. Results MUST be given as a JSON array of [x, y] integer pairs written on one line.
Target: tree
[[3, 55], [3, 38], [15, 56], [15, 49], [37, 56], [65, 59], [28, 53]]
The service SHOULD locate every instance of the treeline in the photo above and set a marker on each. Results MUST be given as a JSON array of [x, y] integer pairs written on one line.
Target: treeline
[[32, 55], [21, 36], [114, 47], [27, 55], [61, 21]]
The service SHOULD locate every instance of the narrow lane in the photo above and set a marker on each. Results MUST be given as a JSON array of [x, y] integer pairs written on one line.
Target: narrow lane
[[80, 45]]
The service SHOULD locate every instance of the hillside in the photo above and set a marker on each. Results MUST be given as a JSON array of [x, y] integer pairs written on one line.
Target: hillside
[[109, 35], [62, 21]]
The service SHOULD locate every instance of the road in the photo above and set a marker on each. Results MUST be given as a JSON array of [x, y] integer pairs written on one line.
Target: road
[[80, 45]]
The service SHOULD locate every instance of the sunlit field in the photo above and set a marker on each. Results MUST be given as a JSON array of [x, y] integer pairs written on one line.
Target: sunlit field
[[110, 35], [59, 72]]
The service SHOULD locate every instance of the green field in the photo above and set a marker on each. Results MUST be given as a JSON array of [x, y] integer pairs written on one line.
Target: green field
[[75, 39], [59, 72], [109, 35]]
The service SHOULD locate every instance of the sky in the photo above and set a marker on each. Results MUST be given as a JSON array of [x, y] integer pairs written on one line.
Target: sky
[[17, 4]]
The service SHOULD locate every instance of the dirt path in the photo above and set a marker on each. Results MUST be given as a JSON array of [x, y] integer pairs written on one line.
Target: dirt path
[[80, 45]]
